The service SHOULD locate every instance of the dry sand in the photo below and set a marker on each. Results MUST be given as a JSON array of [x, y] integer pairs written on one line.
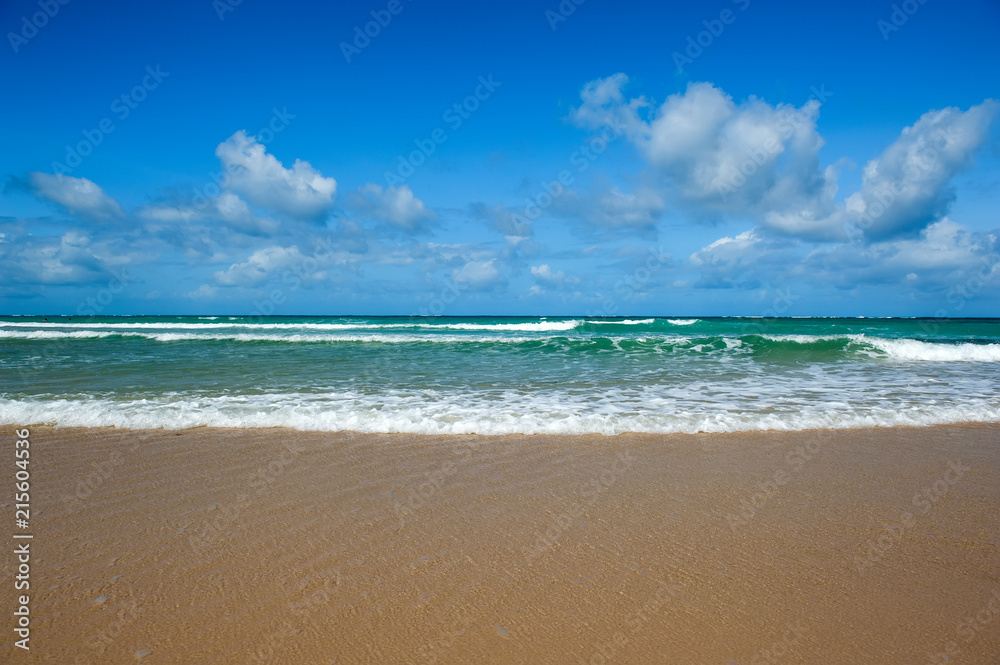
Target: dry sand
[[247, 546]]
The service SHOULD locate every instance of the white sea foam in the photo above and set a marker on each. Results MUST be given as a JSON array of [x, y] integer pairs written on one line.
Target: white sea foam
[[317, 338], [543, 326], [431, 413], [624, 322], [264, 337], [913, 349], [171, 325], [56, 334], [810, 339], [909, 350], [682, 322], [906, 349]]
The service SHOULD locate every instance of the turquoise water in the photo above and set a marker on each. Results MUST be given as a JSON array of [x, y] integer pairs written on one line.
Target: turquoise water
[[498, 375]]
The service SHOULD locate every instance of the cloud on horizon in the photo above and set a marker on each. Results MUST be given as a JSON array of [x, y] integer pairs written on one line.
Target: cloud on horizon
[[705, 159]]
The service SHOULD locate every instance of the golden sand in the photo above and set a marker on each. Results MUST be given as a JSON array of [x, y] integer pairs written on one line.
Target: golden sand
[[277, 546]]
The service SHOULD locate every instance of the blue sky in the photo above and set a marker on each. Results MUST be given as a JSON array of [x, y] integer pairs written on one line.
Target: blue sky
[[716, 158]]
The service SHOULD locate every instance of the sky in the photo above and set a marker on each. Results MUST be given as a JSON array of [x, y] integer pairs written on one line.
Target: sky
[[401, 157]]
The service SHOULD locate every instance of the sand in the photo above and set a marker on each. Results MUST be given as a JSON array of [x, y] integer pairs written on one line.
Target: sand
[[260, 546]]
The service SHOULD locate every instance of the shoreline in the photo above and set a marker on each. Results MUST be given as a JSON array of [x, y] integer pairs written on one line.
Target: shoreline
[[208, 428], [276, 545]]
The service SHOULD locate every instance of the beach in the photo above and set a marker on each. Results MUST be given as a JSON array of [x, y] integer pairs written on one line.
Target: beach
[[206, 545], [554, 333]]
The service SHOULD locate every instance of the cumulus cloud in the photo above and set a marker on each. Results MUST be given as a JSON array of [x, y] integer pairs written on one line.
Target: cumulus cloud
[[262, 265], [908, 186], [718, 157], [511, 222], [604, 105], [610, 208], [235, 211], [300, 192], [227, 207], [477, 274], [67, 259], [943, 253], [167, 213], [546, 275], [730, 262], [78, 195], [204, 292], [634, 209], [394, 205]]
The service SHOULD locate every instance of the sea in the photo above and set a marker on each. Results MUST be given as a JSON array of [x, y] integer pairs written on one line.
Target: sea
[[498, 375]]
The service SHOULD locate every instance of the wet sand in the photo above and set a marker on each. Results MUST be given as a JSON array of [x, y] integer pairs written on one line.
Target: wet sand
[[277, 546]]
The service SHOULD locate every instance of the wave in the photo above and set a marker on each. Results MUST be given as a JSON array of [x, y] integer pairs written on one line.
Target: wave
[[682, 322], [903, 349], [169, 325], [430, 413], [913, 349], [811, 339], [624, 322], [814, 347], [543, 326], [58, 334], [260, 337], [327, 339]]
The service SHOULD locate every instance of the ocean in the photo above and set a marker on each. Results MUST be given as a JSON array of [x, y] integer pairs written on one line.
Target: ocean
[[498, 375]]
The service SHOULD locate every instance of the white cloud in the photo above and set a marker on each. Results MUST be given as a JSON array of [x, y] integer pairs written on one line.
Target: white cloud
[[907, 186], [68, 259], [167, 213], [604, 105], [730, 262], [227, 206], [300, 192], [260, 266], [719, 157], [204, 292], [944, 253], [752, 159], [545, 274], [477, 274], [634, 209], [234, 210], [78, 195], [612, 208], [393, 205], [511, 222], [725, 247]]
